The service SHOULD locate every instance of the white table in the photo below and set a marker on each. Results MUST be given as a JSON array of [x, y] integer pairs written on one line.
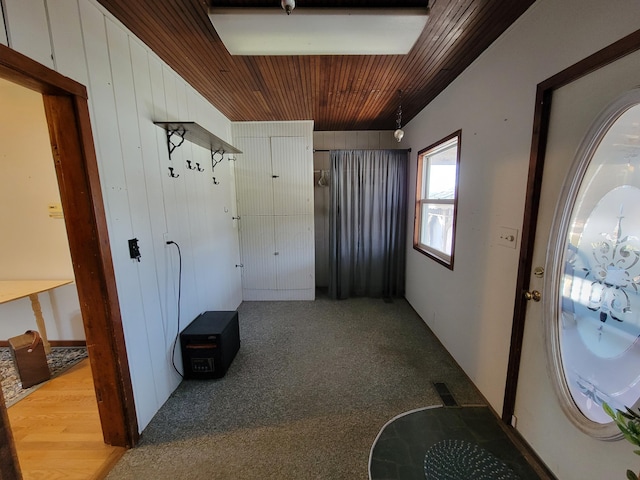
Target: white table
[[15, 289]]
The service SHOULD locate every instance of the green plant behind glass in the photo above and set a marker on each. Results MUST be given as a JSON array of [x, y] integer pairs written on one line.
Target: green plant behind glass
[[629, 424]]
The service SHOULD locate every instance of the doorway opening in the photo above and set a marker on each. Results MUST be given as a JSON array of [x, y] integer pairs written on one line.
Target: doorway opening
[[541, 123], [67, 114]]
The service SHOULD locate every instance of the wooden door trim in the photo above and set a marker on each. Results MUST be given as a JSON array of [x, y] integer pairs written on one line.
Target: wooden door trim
[[544, 94], [9, 468], [27, 72], [81, 198], [76, 165]]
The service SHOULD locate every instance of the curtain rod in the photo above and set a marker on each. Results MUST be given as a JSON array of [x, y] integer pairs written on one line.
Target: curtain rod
[[398, 149]]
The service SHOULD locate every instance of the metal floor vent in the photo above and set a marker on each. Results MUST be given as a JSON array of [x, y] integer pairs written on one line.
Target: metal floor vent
[[445, 395]]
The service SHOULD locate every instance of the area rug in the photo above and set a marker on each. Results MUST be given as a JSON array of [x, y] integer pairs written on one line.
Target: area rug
[[59, 360], [411, 446]]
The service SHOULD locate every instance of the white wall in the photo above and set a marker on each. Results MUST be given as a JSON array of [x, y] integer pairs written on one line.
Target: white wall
[[326, 140], [470, 308], [130, 87], [3, 32], [32, 245]]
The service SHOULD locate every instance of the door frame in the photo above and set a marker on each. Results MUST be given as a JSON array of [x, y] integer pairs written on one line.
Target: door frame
[[544, 95], [74, 156]]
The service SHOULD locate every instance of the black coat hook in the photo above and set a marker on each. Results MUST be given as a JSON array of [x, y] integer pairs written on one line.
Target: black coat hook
[[197, 166], [171, 174], [215, 182]]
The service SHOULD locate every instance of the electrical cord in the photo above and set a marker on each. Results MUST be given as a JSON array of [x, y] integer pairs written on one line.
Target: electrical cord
[[175, 341]]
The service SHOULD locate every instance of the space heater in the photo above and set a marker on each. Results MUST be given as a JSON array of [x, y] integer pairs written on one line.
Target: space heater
[[209, 344]]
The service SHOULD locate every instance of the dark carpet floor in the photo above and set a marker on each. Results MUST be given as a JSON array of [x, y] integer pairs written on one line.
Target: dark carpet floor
[[305, 398]]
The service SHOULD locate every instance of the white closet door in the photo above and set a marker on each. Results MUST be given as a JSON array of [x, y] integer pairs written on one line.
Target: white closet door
[[258, 252], [292, 167], [253, 177], [295, 259]]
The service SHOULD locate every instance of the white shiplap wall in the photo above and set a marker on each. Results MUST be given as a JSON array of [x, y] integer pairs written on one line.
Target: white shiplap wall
[[273, 129], [3, 31], [275, 205], [28, 29], [130, 87], [365, 140]]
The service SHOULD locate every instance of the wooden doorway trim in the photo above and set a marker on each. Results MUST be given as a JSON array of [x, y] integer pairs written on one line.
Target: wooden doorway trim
[[9, 469], [67, 113], [544, 94]]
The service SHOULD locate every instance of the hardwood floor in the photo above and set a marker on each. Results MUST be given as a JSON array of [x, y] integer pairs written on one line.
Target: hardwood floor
[[57, 430]]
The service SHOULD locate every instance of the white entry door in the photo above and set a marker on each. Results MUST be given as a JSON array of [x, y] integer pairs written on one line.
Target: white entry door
[[544, 418]]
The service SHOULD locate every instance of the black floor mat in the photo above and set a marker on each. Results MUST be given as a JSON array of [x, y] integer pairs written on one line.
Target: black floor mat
[[399, 452]]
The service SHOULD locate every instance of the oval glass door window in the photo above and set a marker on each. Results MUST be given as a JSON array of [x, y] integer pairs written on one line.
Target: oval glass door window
[[594, 314]]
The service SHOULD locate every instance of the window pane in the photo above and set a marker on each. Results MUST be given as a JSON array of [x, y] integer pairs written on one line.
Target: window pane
[[436, 227], [442, 173], [436, 202]]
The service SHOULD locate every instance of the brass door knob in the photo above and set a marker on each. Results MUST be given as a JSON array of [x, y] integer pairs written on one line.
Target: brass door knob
[[536, 296]]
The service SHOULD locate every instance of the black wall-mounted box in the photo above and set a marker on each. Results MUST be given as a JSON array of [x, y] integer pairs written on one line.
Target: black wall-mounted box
[[209, 344]]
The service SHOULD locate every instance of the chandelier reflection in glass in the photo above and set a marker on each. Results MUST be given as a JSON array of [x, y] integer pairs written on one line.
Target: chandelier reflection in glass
[[399, 133]]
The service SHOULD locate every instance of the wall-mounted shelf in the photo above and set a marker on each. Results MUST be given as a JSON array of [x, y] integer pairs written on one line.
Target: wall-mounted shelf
[[177, 132]]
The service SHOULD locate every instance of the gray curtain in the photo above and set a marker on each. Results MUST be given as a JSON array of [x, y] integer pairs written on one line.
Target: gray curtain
[[367, 223]]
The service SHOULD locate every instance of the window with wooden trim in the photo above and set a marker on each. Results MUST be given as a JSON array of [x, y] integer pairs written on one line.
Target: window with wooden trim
[[436, 199]]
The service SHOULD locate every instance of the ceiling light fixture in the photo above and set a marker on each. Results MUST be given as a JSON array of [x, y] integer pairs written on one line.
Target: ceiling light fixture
[[288, 5], [318, 31], [399, 133]]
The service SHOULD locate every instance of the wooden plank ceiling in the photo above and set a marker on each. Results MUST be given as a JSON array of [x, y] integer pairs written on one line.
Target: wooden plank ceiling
[[337, 92]]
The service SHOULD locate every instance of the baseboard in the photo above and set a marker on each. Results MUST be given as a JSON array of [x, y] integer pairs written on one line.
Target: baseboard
[[278, 295], [56, 343]]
